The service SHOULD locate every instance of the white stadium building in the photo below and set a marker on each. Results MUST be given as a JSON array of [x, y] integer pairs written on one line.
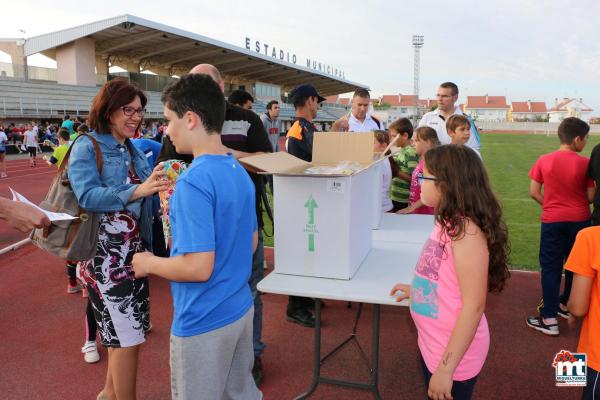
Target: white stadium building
[[151, 54]]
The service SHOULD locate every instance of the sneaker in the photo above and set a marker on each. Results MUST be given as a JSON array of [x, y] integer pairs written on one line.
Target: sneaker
[[257, 371], [563, 313], [90, 352], [302, 317], [538, 324], [73, 288]]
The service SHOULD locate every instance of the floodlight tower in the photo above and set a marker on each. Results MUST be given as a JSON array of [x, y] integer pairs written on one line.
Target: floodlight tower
[[417, 42]]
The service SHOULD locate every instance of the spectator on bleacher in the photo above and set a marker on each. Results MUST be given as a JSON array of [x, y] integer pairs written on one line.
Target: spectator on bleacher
[[30, 141], [244, 134], [3, 141], [68, 123], [76, 126], [358, 119], [81, 128], [447, 95], [160, 131], [241, 98], [10, 133], [120, 194], [58, 151], [272, 123]]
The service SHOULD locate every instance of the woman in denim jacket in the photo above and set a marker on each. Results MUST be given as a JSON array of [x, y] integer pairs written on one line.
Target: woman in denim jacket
[[120, 195]]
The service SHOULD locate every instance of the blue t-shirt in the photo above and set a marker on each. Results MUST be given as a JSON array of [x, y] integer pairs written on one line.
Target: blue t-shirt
[[212, 209], [69, 125], [151, 148]]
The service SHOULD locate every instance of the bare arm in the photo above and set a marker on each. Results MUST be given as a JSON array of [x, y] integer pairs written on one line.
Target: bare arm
[[579, 301], [591, 193], [404, 176], [341, 125], [154, 184], [471, 263], [410, 208], [254, 241], [190, 267], [535, 191], [21, 216]]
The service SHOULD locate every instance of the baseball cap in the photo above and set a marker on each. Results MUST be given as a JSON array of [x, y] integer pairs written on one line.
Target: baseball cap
[[305, 90]]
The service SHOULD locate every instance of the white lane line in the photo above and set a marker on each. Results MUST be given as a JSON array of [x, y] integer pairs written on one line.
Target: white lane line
[[22, 176]]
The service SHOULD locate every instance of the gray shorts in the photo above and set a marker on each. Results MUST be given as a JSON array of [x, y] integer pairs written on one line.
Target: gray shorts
[[215, 365]]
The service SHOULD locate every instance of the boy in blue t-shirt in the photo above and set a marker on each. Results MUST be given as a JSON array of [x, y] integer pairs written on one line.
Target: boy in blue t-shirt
[[214, 233]]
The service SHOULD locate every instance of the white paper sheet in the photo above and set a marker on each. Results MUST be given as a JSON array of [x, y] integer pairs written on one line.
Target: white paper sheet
[[52, 216]]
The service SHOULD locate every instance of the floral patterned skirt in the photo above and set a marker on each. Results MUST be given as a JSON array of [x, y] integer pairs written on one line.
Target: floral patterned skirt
[[120, 302]]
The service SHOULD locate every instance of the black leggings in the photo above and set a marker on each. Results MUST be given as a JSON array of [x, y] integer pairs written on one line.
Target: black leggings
[[90, 322]]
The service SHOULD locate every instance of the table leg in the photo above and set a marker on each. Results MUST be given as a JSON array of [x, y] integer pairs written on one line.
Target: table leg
[[316, 355], [375, 351], [317, 361]]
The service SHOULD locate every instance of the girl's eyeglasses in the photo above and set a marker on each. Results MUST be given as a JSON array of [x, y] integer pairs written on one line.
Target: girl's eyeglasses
[[421, 178], [129, 111]]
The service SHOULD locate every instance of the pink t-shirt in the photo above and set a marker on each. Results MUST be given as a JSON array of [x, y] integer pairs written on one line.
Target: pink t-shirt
[[435, 302], [565, 183], [415, 190]]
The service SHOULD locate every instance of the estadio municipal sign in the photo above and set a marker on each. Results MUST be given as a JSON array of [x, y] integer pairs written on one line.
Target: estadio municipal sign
[[283, 55]]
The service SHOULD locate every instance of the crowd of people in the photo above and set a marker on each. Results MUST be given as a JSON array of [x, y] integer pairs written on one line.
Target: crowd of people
[[215, 253]]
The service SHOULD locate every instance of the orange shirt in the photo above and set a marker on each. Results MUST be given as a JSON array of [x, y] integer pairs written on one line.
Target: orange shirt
[[585, 260]]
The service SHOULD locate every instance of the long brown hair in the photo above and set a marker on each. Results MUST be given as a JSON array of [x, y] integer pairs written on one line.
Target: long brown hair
[[113, 95], [466, 193]]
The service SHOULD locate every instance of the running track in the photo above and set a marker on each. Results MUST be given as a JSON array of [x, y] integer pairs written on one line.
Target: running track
[[41, 332]]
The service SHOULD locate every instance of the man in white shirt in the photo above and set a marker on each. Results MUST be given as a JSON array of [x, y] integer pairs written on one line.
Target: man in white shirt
[[447, 95], [359, 119]]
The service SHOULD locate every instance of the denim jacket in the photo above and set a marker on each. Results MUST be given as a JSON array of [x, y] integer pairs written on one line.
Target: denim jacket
[[110, 192]]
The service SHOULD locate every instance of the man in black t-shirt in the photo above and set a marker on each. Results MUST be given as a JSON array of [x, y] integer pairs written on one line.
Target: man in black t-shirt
[[244, 134]]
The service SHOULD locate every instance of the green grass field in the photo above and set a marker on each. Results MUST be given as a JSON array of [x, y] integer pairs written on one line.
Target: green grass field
[[508, 158]]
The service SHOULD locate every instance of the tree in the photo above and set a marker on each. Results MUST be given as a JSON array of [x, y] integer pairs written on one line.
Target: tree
[[382, 106]]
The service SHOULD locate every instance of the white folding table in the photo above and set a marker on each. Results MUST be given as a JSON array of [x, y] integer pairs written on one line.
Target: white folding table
[[390, 261]]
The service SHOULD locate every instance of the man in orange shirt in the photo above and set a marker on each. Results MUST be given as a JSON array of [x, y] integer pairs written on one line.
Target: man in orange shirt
[[584, 302]]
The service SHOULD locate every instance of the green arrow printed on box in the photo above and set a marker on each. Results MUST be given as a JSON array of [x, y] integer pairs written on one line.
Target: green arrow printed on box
[[311, 204]]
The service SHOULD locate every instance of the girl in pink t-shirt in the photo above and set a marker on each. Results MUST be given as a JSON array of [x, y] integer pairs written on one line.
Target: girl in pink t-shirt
[[465, 257], [424, 139]]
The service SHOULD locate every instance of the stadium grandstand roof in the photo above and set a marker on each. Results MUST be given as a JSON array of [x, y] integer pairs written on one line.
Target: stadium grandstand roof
[[151, 44]]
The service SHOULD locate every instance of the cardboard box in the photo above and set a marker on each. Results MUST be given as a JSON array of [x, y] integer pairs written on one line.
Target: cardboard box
[[323, 222]]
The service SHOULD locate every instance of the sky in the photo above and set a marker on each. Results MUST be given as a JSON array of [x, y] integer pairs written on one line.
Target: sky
[[524, 50]]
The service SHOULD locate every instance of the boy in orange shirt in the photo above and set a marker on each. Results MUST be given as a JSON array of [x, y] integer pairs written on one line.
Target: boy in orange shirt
[[584, 302]]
